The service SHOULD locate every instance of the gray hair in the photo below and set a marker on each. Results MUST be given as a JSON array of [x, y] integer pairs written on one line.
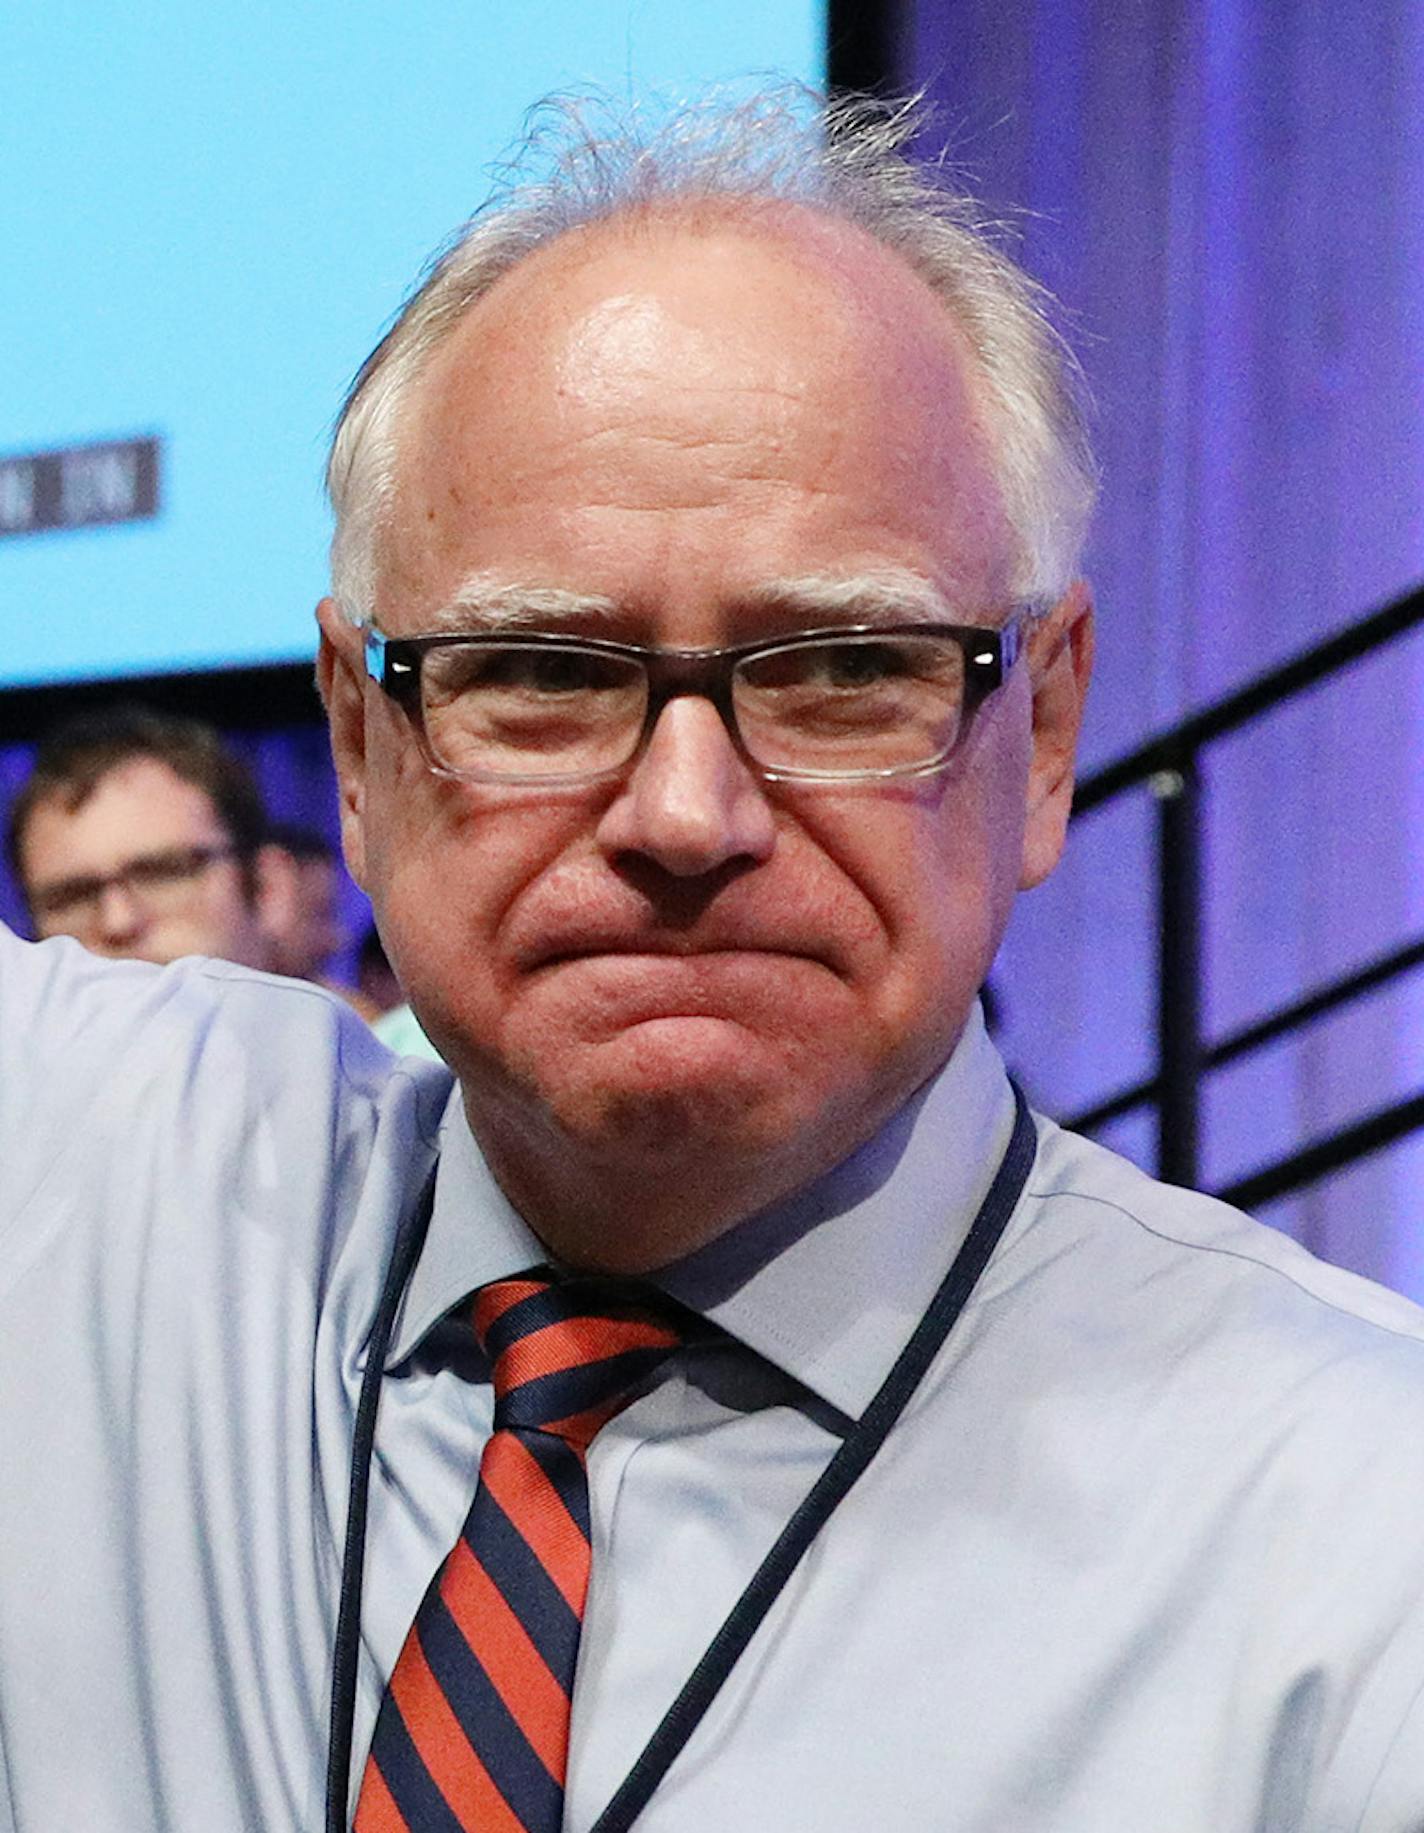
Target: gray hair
[[585, 161]]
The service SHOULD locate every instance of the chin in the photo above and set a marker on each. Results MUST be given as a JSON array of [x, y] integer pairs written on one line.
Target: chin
[[680, 1123], [680, 1089]]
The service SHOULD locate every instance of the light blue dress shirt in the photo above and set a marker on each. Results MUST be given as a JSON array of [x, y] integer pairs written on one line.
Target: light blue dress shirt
[[1145, 1555]]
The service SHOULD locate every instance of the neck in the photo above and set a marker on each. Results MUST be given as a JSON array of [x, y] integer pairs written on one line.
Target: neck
[[631, 1207]]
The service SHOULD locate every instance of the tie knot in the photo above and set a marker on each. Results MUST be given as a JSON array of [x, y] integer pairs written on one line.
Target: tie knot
[[565, 1357]]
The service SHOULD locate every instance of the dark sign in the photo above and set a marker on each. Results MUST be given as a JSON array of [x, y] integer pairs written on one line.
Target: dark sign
[[79, 486]]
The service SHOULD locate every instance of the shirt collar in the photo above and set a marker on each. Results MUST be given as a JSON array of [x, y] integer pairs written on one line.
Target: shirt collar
[[830, 1284], [476, 1235], [827, 1285]]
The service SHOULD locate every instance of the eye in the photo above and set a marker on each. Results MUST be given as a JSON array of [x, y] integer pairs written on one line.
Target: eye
[[834, 667], [523, 669], [858, 664]]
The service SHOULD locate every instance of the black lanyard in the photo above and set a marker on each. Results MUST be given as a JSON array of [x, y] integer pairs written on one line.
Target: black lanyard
[[851, 1457]]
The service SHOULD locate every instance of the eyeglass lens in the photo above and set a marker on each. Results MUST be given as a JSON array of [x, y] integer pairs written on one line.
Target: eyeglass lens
[[522, 710], [839, 705]]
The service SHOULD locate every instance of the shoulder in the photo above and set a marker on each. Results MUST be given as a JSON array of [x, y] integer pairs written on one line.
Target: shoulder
[[1217, 1304], [1080, 1184], [61, 1004], [1192, 1395], [134, 1099]]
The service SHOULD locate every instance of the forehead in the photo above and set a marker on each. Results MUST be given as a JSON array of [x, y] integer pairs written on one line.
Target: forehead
[[678, 410], [138, 807]]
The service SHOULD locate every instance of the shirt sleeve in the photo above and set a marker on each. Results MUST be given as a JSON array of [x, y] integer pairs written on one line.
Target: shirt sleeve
[[133, 1091], [66, 1021]]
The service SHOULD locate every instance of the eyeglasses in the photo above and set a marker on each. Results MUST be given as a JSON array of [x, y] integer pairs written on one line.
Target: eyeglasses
[[840, 705], [157, 882]]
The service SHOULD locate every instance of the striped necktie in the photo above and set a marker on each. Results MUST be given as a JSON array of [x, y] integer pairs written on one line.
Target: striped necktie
[[473, 1732]]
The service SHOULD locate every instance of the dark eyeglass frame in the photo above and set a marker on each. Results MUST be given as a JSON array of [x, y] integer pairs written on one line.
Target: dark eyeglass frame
[[144, 878], [395, 664]]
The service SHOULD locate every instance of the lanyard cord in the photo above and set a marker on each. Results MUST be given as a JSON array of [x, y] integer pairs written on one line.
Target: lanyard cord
[[346, 1654], [766, 1584], [852, 1456]]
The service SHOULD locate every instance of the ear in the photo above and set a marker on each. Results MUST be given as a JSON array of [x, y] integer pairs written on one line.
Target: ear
[[341, 676], [1060, 662]]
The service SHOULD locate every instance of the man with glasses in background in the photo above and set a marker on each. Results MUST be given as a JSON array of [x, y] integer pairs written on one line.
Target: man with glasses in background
[[721, 1405], [143, 837]]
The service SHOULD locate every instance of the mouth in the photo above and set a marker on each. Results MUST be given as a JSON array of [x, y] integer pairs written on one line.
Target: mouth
[[674, 950], [624, 986]]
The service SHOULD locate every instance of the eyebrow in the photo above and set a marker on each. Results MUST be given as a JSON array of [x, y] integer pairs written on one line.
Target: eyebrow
[[884, 595], [498, 603]]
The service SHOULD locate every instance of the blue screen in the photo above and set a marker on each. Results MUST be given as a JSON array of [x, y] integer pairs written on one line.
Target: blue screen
[[207, 216]]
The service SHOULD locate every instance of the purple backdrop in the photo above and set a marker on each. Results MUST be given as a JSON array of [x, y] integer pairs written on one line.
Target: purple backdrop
[[1228, 198]]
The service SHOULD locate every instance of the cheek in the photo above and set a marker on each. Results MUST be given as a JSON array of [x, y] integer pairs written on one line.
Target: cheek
[[447, 865], [942, 868], [941, 920]]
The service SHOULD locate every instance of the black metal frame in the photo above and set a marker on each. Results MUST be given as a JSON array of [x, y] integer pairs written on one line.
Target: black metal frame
[[1169, 766], [865, 45]]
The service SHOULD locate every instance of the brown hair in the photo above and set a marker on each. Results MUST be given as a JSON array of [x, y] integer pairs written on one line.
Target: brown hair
[[76, 756]]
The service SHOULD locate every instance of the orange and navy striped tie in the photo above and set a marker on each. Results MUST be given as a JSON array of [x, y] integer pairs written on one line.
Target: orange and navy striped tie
[[473, 1731]]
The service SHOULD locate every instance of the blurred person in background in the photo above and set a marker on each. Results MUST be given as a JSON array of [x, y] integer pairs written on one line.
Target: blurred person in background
[[304, 916], [304, 911], [375, 977], [140, 835]]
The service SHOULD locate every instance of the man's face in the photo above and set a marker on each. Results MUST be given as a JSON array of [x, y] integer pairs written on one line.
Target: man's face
[[170, 886], [688, 971]]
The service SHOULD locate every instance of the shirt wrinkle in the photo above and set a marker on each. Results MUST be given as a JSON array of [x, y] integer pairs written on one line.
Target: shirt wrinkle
[[1168, 1237]]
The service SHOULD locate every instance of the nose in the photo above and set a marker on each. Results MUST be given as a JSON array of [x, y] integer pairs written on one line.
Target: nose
[[118, 918], [690, 804]]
